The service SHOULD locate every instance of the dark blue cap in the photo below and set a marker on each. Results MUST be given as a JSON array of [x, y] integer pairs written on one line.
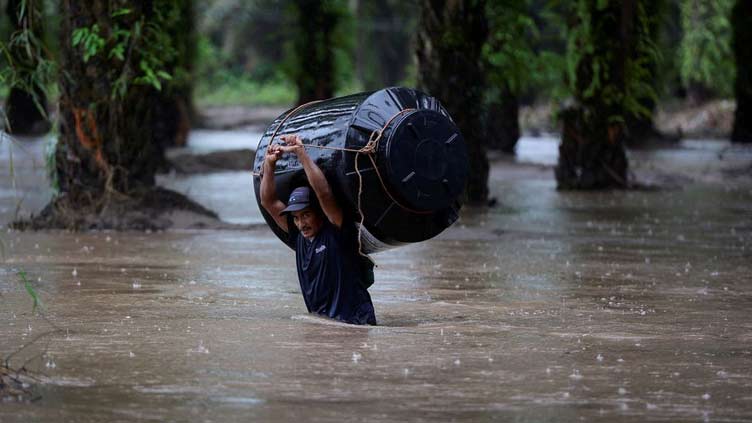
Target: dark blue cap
[[300, 198]]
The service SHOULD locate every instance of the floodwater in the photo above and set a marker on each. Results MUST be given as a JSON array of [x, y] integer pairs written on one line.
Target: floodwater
[[552, 306]]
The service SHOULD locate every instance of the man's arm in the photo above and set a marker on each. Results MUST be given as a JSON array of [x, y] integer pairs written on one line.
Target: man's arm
[[267, 191], [316, 178]]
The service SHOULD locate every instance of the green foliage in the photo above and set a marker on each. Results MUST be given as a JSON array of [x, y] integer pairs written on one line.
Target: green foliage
[[89, 39], [509, 50], [524, 51], [329, 32], [25, 60], [228, 88], [141, 51], [30, 290], [218, 83], [704, 54], [596, 52]]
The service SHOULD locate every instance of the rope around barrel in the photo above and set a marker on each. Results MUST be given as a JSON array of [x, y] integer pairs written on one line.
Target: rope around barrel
[[369, 149]]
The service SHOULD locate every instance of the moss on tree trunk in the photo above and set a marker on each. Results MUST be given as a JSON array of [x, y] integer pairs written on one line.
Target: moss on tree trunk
[[450, 39]]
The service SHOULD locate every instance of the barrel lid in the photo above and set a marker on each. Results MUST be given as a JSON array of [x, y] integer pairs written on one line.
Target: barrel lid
[[426, 160]]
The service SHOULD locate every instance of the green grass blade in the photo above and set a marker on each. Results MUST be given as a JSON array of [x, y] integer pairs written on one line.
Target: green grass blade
[[30, 289]]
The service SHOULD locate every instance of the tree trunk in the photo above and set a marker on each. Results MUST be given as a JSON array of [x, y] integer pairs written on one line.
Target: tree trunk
[[640, 127], [175, 110], [741, 22], [451, 35], [26, 105], [104, 142], [108, 150], [383, 49], [591, 154], [502, 122], [314, 71]]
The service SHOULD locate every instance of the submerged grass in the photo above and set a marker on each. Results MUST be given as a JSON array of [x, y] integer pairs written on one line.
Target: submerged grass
[[31, 291], [16, 384]]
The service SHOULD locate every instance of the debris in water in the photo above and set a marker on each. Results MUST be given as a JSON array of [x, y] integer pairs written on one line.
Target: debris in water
[[622, 391], [74, 272], [200, 349], [706, 396], [356, 357]]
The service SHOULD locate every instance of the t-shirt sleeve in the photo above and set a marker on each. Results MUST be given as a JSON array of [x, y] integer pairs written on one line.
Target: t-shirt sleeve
[[348, 234]]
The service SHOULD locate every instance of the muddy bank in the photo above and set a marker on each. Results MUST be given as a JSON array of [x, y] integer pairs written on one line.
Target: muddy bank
[[675, 120], [155, 209], [237, 117], [217, 161]]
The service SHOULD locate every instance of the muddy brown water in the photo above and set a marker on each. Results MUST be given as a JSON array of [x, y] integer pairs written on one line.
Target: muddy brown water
[[552, 306]]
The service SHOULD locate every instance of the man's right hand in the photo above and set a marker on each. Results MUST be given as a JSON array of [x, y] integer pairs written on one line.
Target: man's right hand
[[273, 153]]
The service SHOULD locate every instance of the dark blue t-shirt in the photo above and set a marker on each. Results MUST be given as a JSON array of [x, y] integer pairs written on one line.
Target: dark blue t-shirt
[[332, 277]]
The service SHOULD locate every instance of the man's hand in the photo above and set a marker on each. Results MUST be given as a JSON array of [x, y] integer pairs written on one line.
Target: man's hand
[[294, 144], [273, 153]]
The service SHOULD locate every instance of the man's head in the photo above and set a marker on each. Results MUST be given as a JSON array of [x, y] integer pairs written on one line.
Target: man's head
[[305, 212]]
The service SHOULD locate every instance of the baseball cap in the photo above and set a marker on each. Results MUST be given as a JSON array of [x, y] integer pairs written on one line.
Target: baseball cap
[[300, 198]]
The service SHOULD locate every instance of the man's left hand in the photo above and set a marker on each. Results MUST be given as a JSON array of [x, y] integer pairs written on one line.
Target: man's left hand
[[294, 144]]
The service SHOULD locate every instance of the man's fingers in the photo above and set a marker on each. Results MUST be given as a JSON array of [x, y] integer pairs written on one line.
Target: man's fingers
[[291, 139]]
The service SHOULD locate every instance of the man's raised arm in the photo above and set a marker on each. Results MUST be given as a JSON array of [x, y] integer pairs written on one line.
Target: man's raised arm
[[316, 178], [267, 191]]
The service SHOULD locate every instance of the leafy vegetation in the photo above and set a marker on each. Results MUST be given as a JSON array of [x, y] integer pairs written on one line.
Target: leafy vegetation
[[128, 37], [602, 70], [705, 57], [525, 47]]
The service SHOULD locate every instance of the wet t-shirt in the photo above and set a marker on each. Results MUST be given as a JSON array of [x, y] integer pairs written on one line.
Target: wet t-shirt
[[331, 275]]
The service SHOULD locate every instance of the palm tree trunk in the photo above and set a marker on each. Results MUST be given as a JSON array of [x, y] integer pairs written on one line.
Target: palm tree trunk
[[592, 154], [741, 21], [451, 35]]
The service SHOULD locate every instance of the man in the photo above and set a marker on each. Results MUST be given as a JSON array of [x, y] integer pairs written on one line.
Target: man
[[332, 275]]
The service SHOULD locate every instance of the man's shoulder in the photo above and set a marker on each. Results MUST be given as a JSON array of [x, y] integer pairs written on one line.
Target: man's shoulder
[[346, 232]]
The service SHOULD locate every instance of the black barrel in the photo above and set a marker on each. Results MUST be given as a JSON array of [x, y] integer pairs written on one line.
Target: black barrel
[[414, 192]]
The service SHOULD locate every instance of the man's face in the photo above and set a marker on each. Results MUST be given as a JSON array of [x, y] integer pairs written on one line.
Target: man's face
[[308, 222]]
